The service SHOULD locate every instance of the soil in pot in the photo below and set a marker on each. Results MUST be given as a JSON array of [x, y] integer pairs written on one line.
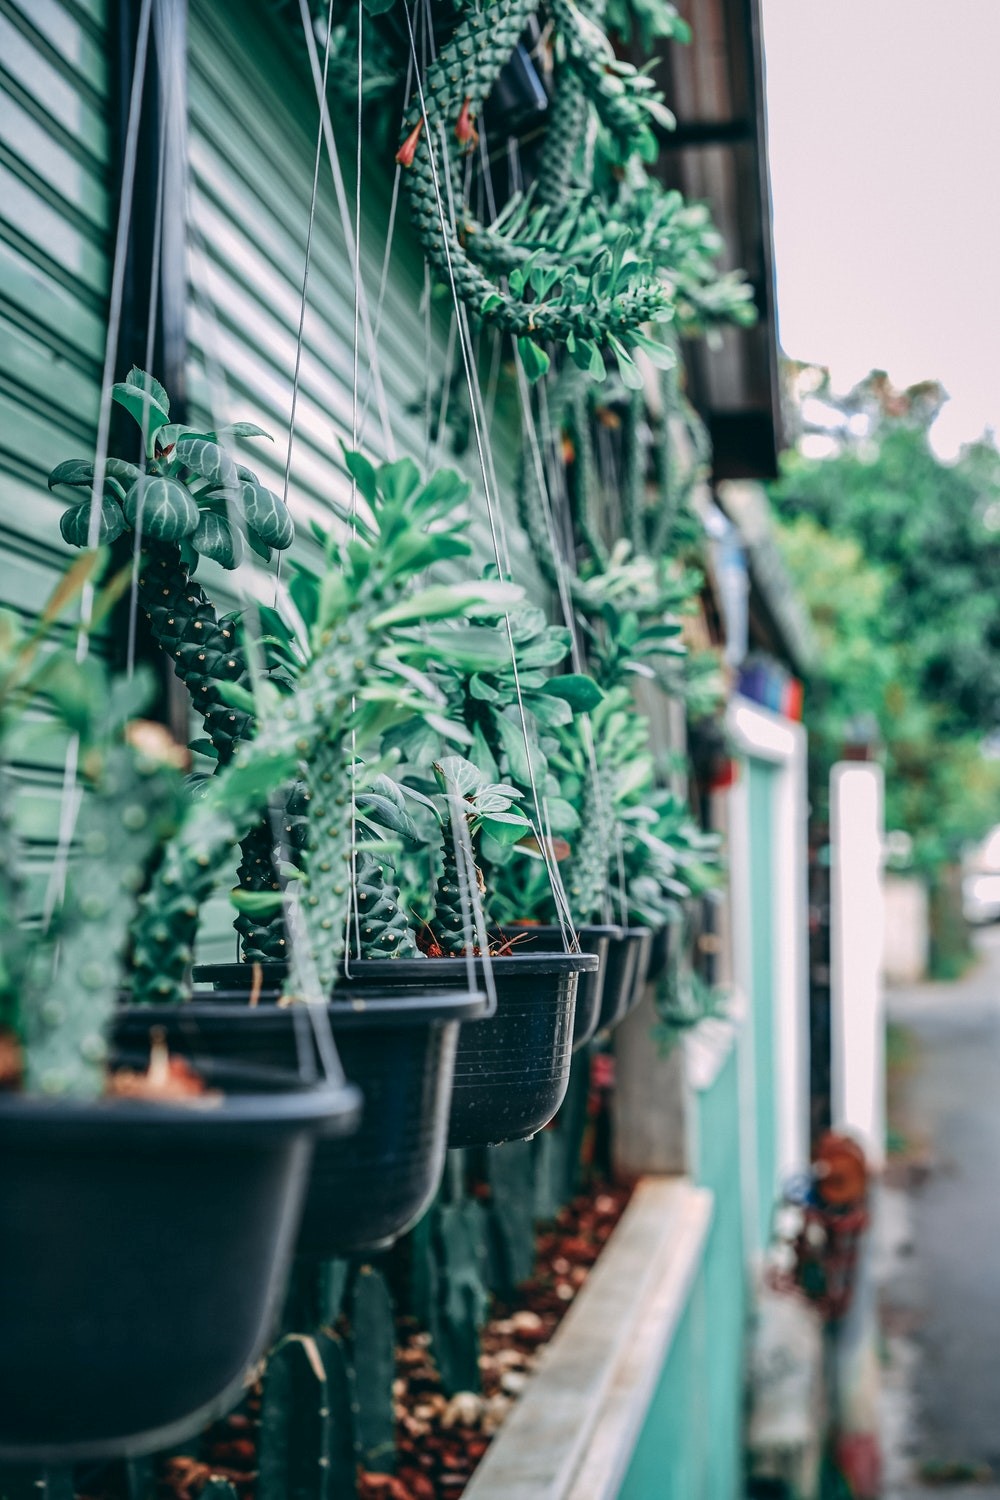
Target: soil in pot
[[400, 1052], [143, 1252], [593, 938], [625, 976]]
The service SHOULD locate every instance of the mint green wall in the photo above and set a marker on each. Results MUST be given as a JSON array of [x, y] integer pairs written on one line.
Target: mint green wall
[[55, 240], [691, 1442], [762, 785]]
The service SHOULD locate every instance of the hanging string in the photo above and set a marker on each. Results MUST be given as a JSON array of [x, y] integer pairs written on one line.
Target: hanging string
[[348, 231], [481, 444], [303, 301], [71, 793], [353, 905]]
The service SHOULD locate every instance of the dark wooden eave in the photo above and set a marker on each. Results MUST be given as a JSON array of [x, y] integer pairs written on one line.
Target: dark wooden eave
[[718, 155]]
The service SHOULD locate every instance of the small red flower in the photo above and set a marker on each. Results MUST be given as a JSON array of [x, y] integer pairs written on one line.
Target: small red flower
[[408, 150], [465, 129]]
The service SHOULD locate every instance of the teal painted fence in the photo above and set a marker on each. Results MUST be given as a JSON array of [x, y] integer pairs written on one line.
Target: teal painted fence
[[691, 1442]]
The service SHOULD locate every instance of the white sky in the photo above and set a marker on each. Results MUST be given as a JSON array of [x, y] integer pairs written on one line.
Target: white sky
[[884, 124]]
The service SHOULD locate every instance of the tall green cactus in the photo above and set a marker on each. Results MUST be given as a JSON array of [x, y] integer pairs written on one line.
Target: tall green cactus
[[588, 301], [132, 801]]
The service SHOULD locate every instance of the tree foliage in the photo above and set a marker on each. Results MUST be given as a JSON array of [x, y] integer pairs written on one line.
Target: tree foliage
[[898, 556]]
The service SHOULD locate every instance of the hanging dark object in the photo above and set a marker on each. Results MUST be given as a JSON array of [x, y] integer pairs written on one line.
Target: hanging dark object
[[628, 960], [398, 1049], [143, 1248], [593, 938]]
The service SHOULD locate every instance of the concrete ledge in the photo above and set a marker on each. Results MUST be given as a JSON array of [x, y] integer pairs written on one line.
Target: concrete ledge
[[572, 1434]]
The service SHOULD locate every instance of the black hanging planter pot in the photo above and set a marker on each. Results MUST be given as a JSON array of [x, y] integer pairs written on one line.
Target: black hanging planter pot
[[593, 938], [628, 957], [399, 1050], [662, 949], [511, 1067], [143, 1254]]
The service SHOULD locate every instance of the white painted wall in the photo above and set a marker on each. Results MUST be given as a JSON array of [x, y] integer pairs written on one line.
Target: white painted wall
[[907, 929], [857, 940]]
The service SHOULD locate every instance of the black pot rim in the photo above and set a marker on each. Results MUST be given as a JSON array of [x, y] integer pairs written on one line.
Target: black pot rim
[[359, 1011], [635, 933], [592, 929], [510, 964], [296, 1106]]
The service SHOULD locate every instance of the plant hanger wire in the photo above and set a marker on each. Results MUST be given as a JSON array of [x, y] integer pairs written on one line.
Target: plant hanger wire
[[501, 555]]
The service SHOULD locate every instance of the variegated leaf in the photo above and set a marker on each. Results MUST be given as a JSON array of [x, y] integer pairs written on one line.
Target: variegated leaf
[[267, 513], [161, 508], [206, 459], [215, 538], [75, 523]]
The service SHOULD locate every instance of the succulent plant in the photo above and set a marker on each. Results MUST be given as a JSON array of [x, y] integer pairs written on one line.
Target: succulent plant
[[346, 677], [59, 979], [189, 499]]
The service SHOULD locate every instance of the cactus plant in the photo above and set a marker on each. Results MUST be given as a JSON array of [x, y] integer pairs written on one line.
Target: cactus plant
[[59, 986]]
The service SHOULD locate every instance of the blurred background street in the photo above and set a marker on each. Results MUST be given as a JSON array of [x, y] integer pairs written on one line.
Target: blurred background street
[[940, 1231]]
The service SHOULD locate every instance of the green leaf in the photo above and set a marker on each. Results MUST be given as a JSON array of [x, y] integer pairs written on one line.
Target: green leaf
[[388, 814], [562, 816], [511, 737], [78, 472], [581, 692], [144, 382], [506, 828], [628, 370], [206, 459], [551, 712], [362, 472], [267, 513], [257, 545], [661, 355], [142, 406], [257, 903], [445, 600], [597, 369], [378, 7], [74, 524], [398, 480], [204, 747], [161, 508], [244, 430], [456, 774], [215, 538], [481, 690], [236, 696], [535, 360]]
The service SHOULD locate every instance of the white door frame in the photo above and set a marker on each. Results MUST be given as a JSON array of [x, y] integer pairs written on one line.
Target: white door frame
[[759, 734]]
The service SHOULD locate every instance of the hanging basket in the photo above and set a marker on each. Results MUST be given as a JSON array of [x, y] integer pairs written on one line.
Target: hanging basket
[[628, 958], [512, 1066], [398, 1050], [143, 1254], [533, 938], [663, 949]]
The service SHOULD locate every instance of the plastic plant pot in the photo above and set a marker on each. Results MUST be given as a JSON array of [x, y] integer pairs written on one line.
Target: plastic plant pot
[[626, 974], [399, 1051], [511, 1067], [663, 947], [532, 938], [143, 1254]]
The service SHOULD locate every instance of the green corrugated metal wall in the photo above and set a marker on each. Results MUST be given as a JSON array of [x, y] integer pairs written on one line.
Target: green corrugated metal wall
[[248, 219], [55, 240]]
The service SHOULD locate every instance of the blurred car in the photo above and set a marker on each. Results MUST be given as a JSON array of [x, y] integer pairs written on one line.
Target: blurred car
[[981, 897]]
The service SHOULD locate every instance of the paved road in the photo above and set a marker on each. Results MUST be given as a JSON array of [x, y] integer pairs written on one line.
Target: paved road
[[943, 1295]]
